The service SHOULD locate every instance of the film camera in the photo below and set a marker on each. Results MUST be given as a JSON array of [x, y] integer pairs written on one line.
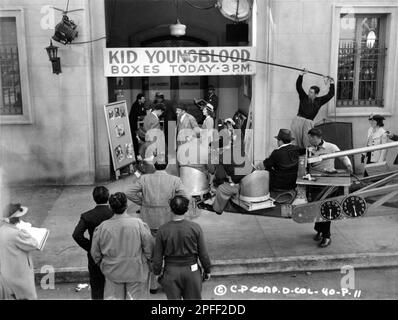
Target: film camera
[[65, 31]]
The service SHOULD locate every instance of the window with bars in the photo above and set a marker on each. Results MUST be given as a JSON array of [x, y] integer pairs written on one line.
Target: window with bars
[[361, 61], [10, 79]]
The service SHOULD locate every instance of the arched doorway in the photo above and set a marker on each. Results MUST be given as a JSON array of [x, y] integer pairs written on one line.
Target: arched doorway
[[181, 89]]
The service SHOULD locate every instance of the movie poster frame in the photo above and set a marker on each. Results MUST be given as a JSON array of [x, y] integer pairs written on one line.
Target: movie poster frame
[[119, 135]]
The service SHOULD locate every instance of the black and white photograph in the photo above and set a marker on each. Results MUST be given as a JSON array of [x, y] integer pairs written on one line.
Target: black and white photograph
[[129, 150], [223, 152], [119, 130], [119, 153], [117, 112]]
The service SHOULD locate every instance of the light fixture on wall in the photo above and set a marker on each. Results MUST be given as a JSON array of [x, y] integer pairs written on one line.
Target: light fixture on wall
[[371, 39], [178, 29], [52, 52]]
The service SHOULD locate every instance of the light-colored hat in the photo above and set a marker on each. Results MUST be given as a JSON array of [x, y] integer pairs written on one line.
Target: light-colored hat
[[15, 210]]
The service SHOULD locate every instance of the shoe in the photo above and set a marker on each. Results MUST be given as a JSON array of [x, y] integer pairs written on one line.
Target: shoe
[[325, 242], [205, 206], [317, 237], [153, 291]]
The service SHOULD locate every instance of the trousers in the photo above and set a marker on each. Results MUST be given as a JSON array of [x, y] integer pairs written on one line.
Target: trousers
[[323, 228], [97, 280], [224, 192], [300, 127], [180, 282], [126, 290]]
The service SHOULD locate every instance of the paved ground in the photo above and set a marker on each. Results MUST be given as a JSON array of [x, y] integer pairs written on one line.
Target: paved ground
[[368, 284], [229, 236]]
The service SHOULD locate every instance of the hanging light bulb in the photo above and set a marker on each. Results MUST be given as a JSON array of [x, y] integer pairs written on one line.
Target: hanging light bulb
[[178, 29], [371, 39]]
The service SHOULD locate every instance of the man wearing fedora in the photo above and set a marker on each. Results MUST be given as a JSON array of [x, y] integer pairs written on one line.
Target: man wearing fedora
[[283, 162], [16, 245]]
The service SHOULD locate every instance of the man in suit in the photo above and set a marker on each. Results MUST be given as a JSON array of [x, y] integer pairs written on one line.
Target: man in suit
[[187, 126], [180, 244], [89, 221], [137, 110], [283, 162]]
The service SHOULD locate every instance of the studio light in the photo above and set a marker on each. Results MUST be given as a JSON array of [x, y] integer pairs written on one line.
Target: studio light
[[65, 31]]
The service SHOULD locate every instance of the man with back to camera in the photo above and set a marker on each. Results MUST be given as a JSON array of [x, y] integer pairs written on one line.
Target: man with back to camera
[[180, 243], [282, 164], [308, 109], [153, 192], [89, 221], [320, 147]]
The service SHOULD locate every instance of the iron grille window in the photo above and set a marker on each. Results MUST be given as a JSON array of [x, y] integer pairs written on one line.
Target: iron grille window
[[361, 61], [10, 82]]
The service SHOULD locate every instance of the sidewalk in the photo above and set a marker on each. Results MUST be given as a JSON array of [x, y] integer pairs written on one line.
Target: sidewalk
[[237, 244]]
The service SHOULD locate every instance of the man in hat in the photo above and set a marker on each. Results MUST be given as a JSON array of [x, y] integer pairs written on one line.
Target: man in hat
[[16, 245], [320, 147], [88, 222], [308, 109], [153, 192], [283, 162]]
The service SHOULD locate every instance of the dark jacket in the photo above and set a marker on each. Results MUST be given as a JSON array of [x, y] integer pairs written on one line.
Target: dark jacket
[[395, 138], [89, 221], [309, 109], [180, 242], [137, 110], [283, 166]]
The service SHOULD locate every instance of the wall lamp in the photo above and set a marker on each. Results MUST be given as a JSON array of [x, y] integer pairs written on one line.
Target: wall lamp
[[52, 52]]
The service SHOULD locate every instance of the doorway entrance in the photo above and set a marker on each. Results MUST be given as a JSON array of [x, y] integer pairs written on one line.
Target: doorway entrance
[[179, 89]]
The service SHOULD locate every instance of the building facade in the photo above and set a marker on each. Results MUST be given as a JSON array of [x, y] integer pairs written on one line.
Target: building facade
[[53, 129]]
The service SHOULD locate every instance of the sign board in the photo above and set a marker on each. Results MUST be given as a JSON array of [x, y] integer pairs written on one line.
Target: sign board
[[119, 134], [178, 61]]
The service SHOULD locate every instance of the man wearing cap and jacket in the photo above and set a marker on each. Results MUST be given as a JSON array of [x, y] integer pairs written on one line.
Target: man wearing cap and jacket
[[16, 245], [283, 162]]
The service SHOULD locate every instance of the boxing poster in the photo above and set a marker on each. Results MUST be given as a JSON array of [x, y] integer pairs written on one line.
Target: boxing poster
[[119, 134]]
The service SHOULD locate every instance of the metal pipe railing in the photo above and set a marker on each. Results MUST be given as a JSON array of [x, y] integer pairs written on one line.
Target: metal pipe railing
[[352, 151]]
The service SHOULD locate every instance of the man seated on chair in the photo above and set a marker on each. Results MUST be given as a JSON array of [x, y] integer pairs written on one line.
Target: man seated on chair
[[282, 164], [231, 173]]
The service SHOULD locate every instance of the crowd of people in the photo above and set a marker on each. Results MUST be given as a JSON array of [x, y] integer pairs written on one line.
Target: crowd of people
[[129, 257]]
